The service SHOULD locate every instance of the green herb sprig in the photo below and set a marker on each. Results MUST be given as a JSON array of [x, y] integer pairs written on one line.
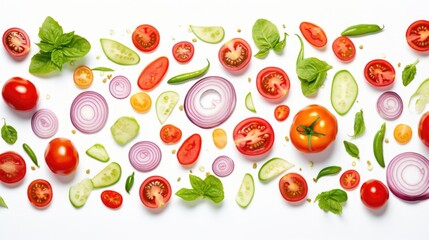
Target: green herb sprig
[[332, 201], [266, 37], [9, 133], [211, 187]]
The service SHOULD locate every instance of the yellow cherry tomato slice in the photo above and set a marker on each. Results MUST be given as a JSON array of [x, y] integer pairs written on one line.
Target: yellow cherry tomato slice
[[141, 102], [83, 76], [402, 133], [219, 138]]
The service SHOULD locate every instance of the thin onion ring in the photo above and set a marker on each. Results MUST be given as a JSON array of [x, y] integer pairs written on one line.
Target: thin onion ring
[[120, 87], [89, 112], [44, 123], [223, 166], [389, 105], [145, 156]]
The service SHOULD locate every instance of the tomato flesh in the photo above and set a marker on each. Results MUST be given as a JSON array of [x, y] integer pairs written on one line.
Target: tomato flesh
[[350, 179], [253, 136], [12, 167], [417, 35], [344, 49], [20, 94], [153, 73], [273, 83], [146, 38], [61, 156], [403, 133], [423, 129], [281, 112], [83, 76], [40, 193], [111, 199], [374, 194], [170, 134], [190, 150], [141, 102], [16, 42], [183, 51], [235, 54], [155, 192], [293, 187], [313, 34], [379, 73]]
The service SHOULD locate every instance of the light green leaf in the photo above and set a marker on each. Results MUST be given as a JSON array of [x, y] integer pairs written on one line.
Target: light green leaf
[[50, 31]]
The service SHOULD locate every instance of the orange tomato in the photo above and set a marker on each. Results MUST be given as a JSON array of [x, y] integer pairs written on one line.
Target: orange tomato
[[83, 76], [402, 133], [141, 102]]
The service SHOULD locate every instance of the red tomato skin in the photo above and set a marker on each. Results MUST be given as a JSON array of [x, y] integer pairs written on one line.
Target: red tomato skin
[[141, 33], [244, 127], [6, 160], [313, 34], [233, 44], [183, 45], [281, 88], [42, 186], [24, 41], [412, 35], [170, 134], [281, 112], [384, 65], [153, 73], [293, 181], [20, 94], [374, 194], [162, 189], [61, 156], [189, 151], [423, 129], [350, 53], [111, 199], [347, 177]]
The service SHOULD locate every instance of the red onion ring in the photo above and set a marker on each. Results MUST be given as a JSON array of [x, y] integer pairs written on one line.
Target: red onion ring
[[223, 166], [145, 156], [218, 110], [120, 87], [89, 112], [44, 123], [409, 164], [389, 105]]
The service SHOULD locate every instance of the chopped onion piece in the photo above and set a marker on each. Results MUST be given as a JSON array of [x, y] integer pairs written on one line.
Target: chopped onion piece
[[145, 156], [223, 166], [120, 87], [389, 105], [89, 112], [44, 123]]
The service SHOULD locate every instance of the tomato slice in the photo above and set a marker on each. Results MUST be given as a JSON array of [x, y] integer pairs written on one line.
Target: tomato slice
[[83, 76], [183, 51], [170, 134], [273, 83], [417, 35], [344, 49], [155, 192], [111, 199], [293, 187], [235, 54], [40, 193], [253, 136], [350, 179], [379, 73], [16, 42], [313, 34], [402, 133], [141, 102], [190, 150], [281, 112], [153, 73], [12, 167], [146, 38]]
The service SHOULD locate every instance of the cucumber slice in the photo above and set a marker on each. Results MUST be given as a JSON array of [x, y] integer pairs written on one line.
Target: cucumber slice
[[343, 92], [125, 129], [118, 52], [249, 103], [79, 193], [98, 152], [246, 191], [108, 176], [420, 97], [208, 34], [165, 104], [273, 167]]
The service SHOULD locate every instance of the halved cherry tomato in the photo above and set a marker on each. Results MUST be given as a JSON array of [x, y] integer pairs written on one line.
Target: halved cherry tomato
[[183, 51], [374, 194], [313, 34], [349, 179], [83, 76], [379, 73], [344, 49], [170, 134], [153, 73], [141, 102], [20, 94], [293, 187], [219, 138], [190, 150], [40, 193], [253, 136], [61, 156], [235, 54], [111, 199], [281, 112], [146, 38], [16, 42], [12, 167], [273, 83], [423, 129], [155, 192], [418, 35], [402, 133]]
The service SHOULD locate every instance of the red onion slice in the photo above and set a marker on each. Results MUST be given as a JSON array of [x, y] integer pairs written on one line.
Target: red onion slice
[[145, 156], [408, 176], [223, 166], [120, 87], [89, 112], [210, 102], [389, 105], [44, 123]]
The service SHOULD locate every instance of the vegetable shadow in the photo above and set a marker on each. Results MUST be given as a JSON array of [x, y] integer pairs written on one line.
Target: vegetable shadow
[[320, 157], [200, 201], [155, 211], [378, 212]]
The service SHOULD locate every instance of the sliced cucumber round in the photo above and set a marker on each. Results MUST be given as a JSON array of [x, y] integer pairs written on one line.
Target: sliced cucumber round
[[118, 52], [208, 34], [165, 104], [108, 176], [249, 103], [274, 167], [246, 191], [98, 152], [343, 92], [79, 193], [125, 129]]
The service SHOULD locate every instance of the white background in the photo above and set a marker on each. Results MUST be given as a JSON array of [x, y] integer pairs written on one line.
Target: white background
[[268, 216]]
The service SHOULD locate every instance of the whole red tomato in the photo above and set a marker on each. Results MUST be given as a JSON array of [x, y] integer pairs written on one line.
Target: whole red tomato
[[424, 129], [374, 194], [20, 94], [61, 156]]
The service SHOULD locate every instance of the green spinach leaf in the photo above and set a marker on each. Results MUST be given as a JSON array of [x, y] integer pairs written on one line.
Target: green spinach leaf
[[409, 73], [332, 201], [351, 149], [266, 36], [9, 133]]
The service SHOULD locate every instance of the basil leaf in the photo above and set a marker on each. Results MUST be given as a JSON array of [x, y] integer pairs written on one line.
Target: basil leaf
[[2, 203], [50, 31], [197, 184], [65, 39], [214, 194], [266, 36], [278, 48], [103, 69], [359, 124], [409, 73], [45, 47], [188, 194], [9, 133], [351, 149], [311, 88], [331, 201], [262, 53], [77, 48], [41, 64], [57, 57]]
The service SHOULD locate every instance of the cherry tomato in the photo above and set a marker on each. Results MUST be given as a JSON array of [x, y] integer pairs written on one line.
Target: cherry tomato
[[141, 102], [83, 76], [350, 179], [293, 187], [281, 112], [12, 167], [273, 83], [379, 73], [417, 35], [314, 122], [253, 136], [313, 34], [153, 73], [170, 134], [17, 43], [111, 199], [40, 193], [146, 38], [61, 156], [402, 133], [155, 192], [189, 150], [374, 194], [183, 51], [235, 54], [344, 49], [20, 94], [219, 138], [424, 129]]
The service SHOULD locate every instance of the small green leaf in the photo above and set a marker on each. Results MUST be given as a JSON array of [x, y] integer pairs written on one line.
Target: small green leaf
[[409, 73], [9, 133], [188, 194], [278, 48], [214, 194], [50, 31], [77, 48], [197, 184], [102, 69], [45, 47], [351, 149], [57, 57], [213, 182], [65, 39], [359, 124], [263, 53], [2, 203], [41, 64], [331, 201]]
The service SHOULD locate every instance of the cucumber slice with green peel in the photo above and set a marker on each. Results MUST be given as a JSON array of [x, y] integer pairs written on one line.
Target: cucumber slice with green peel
[[118, 52], [344, 92], [165, 104], [125, 129], [208, 34], [420, 97], [249, 103], [108, 176], [79, 193], [98, 152], [274, 167], [246, 191]]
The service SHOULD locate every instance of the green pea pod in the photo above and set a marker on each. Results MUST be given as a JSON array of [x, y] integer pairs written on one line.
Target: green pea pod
[[31, 154], [328, 171], [181, 78], [378, 145], [129, 183], [361, 29]]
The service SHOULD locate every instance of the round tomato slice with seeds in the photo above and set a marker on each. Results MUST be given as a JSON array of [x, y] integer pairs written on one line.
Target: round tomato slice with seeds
[[273, 83], [170, 134], [281, 112], [146, 38], [379, 73], [83, 76], [293, 187], [253, 136], [40, 193], [417, 35], [155, 192], [235, 54], [12, 167], [16, 42], [111, 199], [183, 51], [350, 179], [344, 49]]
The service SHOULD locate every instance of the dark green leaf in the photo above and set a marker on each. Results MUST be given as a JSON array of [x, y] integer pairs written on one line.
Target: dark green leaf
[[41, 64], [197, 183], [9, 133], [188, 194], [332, 200], [50, 31], [215, 194], [103, 69], [351, 149], [359, 124], [2, 203], [65, 39], [278, 48], [409, 73], [77, 48]]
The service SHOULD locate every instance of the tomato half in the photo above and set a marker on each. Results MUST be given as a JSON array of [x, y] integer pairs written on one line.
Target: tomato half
[[170, 134], [61, 156], [344, 49], [253, 136], [183, 51], [350, 179], [111, 199], [153, 73], [423, 129], [40, 193], [189, 150], [16, 42], [417, 35], [281, 112], [141, 102], [273, 83], [235, 54], [155, 192], [379, 73], [313, 34], [403, 133], [12, 167], [374, 194], [293, 187], [314, 128], [145, 38], [20, 94], [83, 76]]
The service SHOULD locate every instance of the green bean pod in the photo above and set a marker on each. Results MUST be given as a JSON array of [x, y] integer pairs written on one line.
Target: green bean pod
[[31, 154], [129, 183], [361, 29], [181, 78], [378, 145], [328, 171]]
